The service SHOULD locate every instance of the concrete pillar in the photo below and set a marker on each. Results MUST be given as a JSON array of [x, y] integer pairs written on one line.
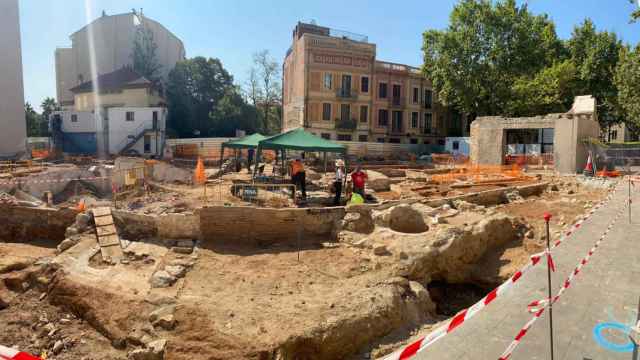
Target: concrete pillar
[[12, 120]]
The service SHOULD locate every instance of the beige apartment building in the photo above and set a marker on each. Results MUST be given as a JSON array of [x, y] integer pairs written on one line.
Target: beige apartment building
[[336, 88]]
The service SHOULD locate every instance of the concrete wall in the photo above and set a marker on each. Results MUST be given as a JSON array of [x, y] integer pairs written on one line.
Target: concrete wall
[[222, 225], [127, 97], [120, 129], [570, 129], [12, 119], [85, 123], [23, 224], [113, 39]]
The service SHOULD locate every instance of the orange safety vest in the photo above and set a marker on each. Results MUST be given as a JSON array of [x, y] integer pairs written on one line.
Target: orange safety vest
[[296, 167]]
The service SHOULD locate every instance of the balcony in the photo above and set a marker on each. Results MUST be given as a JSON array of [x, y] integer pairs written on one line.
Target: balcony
[[346, 124], [346, 94], [397, 101]]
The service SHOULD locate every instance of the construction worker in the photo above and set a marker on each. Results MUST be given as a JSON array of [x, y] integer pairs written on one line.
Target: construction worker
[[337, 182], [298, 176], [359, 178]]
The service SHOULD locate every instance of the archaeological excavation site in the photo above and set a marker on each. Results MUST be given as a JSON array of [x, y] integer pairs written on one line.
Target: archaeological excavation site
[[138, 259]]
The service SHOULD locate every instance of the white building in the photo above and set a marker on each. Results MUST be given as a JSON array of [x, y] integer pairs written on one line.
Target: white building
[[112, 39], [131, 120], [12, 120]]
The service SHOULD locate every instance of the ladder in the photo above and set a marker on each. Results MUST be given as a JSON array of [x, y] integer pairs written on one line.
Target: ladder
[[107, 234]]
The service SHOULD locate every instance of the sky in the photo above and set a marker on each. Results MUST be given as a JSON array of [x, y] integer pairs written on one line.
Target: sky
[[232, 30]]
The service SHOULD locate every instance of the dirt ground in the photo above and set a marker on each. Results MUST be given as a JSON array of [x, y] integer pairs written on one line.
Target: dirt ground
[[252, 303]]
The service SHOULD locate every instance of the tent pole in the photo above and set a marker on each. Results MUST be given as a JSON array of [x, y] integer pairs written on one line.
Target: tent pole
[[325, 162]]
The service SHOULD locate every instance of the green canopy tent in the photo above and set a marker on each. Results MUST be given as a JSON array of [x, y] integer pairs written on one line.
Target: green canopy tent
[[300, 140], [246, 142]]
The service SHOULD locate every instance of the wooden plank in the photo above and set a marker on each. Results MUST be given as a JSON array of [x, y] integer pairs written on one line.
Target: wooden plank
[[109, 240], [106, 230], [103, 220], [112, 253], [101, 211]]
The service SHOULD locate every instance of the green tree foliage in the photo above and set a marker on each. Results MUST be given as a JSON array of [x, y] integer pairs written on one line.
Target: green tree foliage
[[595, 55], [203, 100], [627, 79], [48, 106], [486, 47], [145, 61], [550, 91], [635, 15], [34, 121]]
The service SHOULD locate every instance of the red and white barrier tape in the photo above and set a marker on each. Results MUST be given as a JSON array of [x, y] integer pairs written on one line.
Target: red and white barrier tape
[[51, 180], [11, 354], [538, 307], [464, 315]]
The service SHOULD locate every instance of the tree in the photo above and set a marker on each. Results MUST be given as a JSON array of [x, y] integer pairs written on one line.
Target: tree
[[487, 46], [33, 120], [595, 55], [635, 15], [203, 101], [264, 91], [552, 90], [627, 80], [48, 106], [145, 61]]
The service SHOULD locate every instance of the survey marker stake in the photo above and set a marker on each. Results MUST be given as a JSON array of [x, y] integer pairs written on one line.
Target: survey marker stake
[[547, 218]]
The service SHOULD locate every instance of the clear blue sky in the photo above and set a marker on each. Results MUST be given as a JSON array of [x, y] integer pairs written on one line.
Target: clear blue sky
[[232, 30]]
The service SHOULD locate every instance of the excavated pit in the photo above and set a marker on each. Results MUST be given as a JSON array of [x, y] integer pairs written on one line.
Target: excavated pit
[[452, 298]]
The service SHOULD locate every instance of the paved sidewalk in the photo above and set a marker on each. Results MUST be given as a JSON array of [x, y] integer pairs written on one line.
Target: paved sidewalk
[[604, 296]]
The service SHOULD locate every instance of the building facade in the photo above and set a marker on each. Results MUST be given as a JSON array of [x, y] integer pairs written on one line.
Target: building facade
[[12, 119], [131, 120], [620, 133], [109, 41], [334, 86]]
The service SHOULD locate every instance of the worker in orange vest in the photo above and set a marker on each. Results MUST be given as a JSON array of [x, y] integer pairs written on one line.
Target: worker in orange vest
[[298, 176]]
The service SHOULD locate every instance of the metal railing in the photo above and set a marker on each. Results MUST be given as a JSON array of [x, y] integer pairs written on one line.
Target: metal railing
[[346, 93], [134, 135], [346, 124], [397, 101]]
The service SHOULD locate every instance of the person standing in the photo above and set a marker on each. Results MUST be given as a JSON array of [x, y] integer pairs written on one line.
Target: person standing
[[337, 182], [359, 178], [298, 177]]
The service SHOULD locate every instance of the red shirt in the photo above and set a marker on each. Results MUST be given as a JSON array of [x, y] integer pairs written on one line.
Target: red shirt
[[358, 179]]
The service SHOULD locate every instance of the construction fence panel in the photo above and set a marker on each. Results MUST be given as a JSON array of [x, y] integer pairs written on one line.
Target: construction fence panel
[[615, 156]]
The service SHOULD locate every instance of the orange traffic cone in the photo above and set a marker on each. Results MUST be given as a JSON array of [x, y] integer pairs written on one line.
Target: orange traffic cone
[[80, 207], [588, 170], [199, 176]]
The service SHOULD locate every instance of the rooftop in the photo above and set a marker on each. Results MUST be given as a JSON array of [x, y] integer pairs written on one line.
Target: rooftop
[[124, 77]]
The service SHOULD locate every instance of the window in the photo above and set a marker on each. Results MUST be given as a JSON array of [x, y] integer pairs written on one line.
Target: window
[[614, 134], [428, 99], [155, 120], [326, 111], [346, 84], [394, 141], [428, 123], [147, 144], [364, 113], [383, 117], [427, 142], [345, 112], [364, 84], [328, 81], [326, 136], [130, 116], [441, 142], [414, 119], [74, 118], [397, 91], [396, 121], [344, 137], [363, 138], [413, 141], [456, 145], [382, 91], [416, 95], [380, 140]]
